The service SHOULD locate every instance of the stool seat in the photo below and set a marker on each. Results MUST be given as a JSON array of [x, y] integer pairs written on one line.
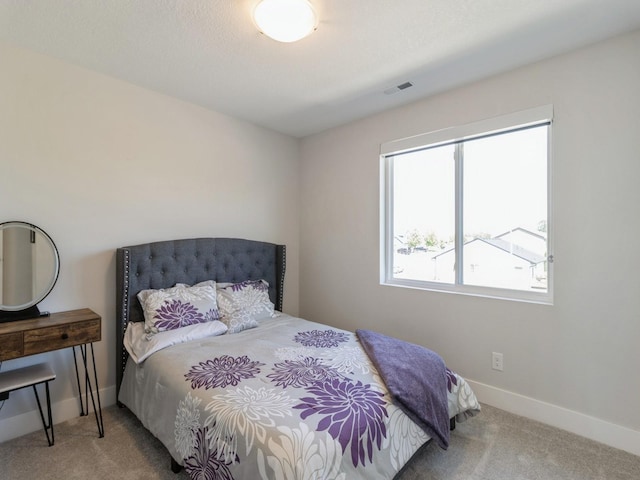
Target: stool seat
[[25, 377], [30, 377]]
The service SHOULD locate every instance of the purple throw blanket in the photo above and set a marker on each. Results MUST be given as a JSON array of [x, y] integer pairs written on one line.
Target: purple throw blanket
[[416, 378]]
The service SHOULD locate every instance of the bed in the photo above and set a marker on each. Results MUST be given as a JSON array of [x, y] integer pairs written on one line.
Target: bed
[[248, 392]]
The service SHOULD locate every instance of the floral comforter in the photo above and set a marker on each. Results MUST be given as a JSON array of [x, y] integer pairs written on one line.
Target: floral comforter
[[288, 400]]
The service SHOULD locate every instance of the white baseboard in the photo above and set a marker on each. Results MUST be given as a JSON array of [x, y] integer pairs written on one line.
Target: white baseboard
[[61, 411], [616, 436]]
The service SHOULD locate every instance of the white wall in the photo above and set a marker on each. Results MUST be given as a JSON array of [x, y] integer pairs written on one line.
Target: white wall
[[98, 163], [579, 356]]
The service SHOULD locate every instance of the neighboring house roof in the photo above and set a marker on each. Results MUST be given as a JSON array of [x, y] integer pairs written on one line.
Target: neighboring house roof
[[513, 249], [524, 230], [399, 238], [508, 247]]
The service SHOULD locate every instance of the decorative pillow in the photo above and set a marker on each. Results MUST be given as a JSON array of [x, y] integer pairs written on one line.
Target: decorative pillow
[[243, 304], [179, 306], [144, 294]]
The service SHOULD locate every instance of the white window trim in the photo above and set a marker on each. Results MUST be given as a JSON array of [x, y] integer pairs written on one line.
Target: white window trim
[[454, 134]]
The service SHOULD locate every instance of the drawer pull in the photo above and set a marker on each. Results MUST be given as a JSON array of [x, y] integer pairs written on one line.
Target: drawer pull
[[64, 336]]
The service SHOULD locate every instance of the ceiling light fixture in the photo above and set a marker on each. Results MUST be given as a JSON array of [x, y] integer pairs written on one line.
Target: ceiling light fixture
[[285, 20]]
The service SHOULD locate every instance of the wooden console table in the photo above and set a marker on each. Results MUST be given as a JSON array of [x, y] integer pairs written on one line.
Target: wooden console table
[[75, 329]]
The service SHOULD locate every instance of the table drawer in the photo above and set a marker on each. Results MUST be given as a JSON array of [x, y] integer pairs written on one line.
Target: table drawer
[[61, 336], [11, 346]]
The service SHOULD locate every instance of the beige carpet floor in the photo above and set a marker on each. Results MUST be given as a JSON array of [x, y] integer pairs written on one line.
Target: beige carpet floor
[[495, 445]]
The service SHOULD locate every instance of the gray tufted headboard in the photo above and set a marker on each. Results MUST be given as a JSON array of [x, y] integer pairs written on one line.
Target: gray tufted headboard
[[163, 264]]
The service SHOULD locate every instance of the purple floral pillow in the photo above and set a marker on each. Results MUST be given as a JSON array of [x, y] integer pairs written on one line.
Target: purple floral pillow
[[180, 306], [243, 304]]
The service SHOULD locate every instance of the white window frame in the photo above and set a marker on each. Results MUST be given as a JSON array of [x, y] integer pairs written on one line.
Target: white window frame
[[504, 123]]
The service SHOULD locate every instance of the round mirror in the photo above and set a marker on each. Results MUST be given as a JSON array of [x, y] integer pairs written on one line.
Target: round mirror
[[29, 267]]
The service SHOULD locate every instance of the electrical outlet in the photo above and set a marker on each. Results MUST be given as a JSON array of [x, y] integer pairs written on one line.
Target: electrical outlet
[[497, 361]]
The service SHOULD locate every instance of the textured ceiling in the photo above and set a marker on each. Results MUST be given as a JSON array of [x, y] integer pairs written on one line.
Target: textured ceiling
[[208, 51]]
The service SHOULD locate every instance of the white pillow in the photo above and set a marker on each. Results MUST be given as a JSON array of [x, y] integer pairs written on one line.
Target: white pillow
[[243, 304], [140, 346], [179, 306]]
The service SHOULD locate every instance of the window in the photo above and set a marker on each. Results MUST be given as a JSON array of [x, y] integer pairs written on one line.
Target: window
[[476, 196]]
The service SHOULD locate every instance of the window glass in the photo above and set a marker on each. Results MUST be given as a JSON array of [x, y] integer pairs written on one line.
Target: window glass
[[505, 210], [424, 211], [470, 214]]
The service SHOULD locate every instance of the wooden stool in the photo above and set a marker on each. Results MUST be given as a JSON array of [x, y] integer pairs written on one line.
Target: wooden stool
[[30, 377]]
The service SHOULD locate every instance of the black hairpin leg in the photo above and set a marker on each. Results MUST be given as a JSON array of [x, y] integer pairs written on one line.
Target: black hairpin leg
[[88, 388], [48, 426]]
